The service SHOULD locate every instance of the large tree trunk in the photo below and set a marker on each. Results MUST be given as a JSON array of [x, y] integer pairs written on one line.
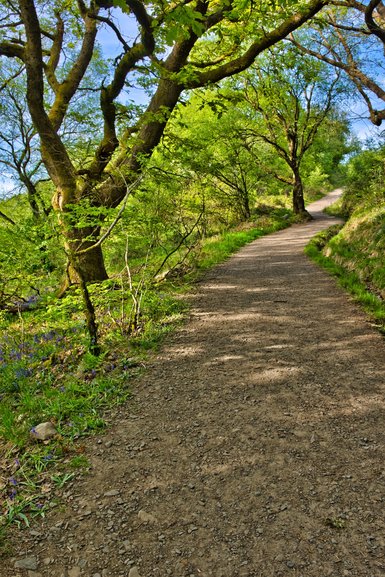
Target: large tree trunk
[[84, 255], [298, 197], [92, 266]]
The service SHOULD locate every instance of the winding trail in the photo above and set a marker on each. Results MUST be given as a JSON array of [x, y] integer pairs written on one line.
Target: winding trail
[[254, 445]]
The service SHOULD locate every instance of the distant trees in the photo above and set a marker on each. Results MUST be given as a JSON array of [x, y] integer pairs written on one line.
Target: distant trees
[[19, 146], [203, 144], [289, 98]]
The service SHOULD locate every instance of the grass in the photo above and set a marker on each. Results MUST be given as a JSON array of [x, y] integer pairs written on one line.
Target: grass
[[47, 374], [336, 209], [349, 280]]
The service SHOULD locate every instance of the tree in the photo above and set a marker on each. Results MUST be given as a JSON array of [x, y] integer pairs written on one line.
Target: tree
[[203, 141], [351, 38], [180, 45], [289, 98], [18, 150]]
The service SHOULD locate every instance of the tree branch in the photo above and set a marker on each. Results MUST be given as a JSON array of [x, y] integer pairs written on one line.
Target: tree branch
[[243, 62], [11, 50], [370, 22], [7, 218], [54, 153]]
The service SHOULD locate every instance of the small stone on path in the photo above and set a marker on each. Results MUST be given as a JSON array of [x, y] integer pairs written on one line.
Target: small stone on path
[[43, 431], [112, 493], [146, 517], [134, 572], [27, 563], [74, 572]]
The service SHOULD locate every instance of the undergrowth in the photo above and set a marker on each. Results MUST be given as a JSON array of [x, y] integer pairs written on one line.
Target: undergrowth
[[349, 280], [47, 374]]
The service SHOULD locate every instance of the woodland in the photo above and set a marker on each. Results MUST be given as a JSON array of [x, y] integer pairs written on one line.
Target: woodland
[[142, 142]]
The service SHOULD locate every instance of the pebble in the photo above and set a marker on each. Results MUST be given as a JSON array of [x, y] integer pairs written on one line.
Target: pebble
[[111, 493], [74, 572], [127, 545], [27, 563], [43, 431], [134, 572], [146, 517], [34, 574]]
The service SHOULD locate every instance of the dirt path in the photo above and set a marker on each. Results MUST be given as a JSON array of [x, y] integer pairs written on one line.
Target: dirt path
[[255, 445]]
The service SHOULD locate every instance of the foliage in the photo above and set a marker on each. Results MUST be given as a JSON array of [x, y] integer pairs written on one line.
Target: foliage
[[350, 37], [31, 258], [288, 99], [176, 47], [340, 263], [365, 178], [48, 375]]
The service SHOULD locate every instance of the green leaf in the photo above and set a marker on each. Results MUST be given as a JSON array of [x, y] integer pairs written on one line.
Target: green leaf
[[122, 5]]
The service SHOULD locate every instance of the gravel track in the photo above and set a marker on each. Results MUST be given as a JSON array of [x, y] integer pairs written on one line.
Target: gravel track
[[254, 445]]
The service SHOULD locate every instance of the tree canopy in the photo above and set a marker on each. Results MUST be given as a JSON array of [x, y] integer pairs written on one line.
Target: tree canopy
[[179, 46]]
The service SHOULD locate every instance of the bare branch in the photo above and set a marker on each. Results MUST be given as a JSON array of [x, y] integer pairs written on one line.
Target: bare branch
[[114, 28], [370, 22]]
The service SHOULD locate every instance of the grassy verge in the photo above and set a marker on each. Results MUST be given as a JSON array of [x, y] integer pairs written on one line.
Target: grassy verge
[[47, 375], [349, 280], [336, 209]]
